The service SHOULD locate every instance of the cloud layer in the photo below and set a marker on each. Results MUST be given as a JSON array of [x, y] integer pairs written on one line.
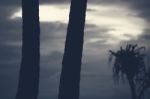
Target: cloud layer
[[107, 22]]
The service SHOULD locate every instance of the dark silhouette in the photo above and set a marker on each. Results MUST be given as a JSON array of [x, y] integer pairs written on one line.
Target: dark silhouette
[[144, 83], [129, 62], [29, 71], [71, 65]]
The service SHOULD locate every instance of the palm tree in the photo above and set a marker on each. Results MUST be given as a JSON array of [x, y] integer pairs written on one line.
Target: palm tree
[[129, 62], [71, 65], [144, 83], [29, 70]]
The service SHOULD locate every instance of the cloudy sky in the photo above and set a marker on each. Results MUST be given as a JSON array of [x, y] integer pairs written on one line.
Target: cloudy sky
[[109, 24]]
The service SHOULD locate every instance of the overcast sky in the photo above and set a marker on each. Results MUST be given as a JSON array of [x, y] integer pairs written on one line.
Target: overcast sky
[[109, 24]]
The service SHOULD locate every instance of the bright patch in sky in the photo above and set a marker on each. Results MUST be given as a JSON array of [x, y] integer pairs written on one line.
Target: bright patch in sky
[[124, 24]]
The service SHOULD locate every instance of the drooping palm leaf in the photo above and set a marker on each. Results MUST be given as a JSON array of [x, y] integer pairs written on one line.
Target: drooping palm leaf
[[128, 61], [144, 83]]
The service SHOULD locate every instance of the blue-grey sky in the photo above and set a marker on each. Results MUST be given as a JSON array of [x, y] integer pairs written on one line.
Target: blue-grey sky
[[109, 24]]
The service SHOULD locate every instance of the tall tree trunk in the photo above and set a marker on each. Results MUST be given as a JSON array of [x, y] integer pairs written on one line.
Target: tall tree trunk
[[71, 65], [141, 94], [132, 88], [29, 70]]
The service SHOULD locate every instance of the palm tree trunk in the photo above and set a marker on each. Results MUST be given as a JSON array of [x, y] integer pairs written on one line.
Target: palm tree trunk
[[71, 65], [141, 94], [132, 88], [29, 70]]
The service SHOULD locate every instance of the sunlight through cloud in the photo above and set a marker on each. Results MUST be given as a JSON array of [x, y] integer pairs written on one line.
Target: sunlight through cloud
[[124, 23], [48, 13]]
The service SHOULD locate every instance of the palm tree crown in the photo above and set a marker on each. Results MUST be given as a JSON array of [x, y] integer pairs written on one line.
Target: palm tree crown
[[128, 61], [144, 84]]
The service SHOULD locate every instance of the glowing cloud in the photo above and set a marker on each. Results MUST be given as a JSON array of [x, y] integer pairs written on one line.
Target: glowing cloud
[[47, 13], [124, 22]]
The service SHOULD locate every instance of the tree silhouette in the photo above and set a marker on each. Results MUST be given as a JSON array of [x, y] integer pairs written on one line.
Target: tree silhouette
[[144, 83], [129, 62], [71, 65], [29, 70]]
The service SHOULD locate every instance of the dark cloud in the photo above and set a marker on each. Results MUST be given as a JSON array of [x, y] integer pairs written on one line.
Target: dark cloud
[[10, 55], [93, 31], [142, 6], [49, 30], [10, 3], [49, 75], [97, 82], [146, 35], [18, 2], [143, 39]]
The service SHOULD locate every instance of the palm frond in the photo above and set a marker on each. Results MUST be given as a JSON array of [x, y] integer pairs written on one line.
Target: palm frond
[[128, 61]]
